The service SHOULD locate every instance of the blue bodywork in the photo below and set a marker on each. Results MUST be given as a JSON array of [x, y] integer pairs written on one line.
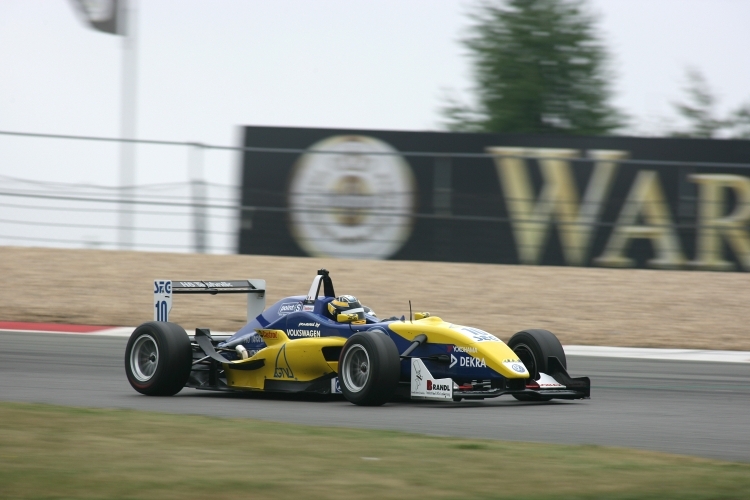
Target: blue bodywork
[[287, 315]]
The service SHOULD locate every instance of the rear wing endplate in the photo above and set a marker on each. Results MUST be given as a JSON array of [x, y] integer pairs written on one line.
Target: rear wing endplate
[[164, 289]]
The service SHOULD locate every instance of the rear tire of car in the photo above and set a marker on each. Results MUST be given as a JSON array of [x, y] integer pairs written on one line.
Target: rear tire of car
[[534, 348], [158, 359], [369, 368]]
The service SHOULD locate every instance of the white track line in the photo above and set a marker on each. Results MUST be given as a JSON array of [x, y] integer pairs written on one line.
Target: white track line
[[120, 331], [651, 353]]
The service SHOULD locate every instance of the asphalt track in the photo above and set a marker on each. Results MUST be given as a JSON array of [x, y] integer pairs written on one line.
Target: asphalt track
[[685, 407]]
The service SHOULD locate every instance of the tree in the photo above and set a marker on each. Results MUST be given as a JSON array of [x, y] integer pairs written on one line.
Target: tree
[[741, 122], [700, 114], [538, 68]]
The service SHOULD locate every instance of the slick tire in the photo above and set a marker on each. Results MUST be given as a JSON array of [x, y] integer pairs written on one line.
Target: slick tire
[[533, 348], [158, 359], [369, 369]]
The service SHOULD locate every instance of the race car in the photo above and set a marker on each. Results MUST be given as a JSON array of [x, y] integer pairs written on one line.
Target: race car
[[328, 344]]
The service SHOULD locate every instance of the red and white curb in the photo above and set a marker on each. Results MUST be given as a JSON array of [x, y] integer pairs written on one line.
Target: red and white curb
[[26, 327], [60, 328], [570, 350]]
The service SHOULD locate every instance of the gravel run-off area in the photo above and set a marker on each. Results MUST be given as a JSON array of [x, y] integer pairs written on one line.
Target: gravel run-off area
[[585, 306]]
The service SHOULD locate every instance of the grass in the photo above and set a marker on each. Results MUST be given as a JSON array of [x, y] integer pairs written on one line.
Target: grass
[[51, 452]]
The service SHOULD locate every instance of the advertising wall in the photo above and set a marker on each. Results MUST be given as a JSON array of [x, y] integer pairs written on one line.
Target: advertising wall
[[497, 198]]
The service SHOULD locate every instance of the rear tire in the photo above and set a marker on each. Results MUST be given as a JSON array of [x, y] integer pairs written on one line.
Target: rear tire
[[158, 359], [369, 368], [533, 348]]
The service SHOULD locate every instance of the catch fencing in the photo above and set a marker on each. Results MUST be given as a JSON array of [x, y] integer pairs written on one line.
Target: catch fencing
[[177, 207]]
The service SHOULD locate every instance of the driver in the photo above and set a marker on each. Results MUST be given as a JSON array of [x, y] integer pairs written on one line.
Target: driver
[[347, 309]]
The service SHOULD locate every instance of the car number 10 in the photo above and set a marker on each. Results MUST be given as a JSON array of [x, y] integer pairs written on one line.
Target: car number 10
[[162, 299]]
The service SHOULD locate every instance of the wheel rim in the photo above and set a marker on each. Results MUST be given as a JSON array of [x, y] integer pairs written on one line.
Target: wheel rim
[[356, 368], [526, 355], [144, 358]]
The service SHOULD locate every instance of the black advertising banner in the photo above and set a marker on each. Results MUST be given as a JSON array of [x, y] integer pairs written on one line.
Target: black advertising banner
[[497, 198]]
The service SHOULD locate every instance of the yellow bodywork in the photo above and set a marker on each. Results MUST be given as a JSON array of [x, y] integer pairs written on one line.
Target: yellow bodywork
[[298, 360], [302, 360], [495, 354]]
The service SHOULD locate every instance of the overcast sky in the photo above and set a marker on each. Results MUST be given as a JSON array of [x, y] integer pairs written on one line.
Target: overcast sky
[[207, 67]]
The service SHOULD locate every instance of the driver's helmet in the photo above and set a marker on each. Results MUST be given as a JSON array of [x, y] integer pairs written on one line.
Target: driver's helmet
[[348, 305]]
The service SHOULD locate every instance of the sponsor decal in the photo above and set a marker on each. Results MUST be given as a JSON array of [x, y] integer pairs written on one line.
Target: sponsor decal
[[417, 373], [250, 338], [515, 364], [268, 334], [432, 386], [453, 361], [311, 324], [335, 386], [456, 348], [282, 369], [204, 284], [548, 382], [475, 334], [301, 332], [357, 203], [289, 307], [471, 362], [308, 308]]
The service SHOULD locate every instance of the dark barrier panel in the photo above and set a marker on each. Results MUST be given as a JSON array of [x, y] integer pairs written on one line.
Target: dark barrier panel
[[497, 198]]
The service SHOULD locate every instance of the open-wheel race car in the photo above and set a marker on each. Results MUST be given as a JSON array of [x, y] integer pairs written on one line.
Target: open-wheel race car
[[327, 344]]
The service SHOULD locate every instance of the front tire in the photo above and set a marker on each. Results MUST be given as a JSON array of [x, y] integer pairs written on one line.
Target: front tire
[[534, 348], [158, 359], [369, 368]]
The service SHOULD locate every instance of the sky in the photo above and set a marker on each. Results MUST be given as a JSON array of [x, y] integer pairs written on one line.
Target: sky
[[205, 68]]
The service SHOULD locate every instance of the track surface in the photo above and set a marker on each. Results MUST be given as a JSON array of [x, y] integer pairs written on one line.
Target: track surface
[[691, 408]]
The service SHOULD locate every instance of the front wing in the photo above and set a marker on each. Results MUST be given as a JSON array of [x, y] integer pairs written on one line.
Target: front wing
[[555, 385]]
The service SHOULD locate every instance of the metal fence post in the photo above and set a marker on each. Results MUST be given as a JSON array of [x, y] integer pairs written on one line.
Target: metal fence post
[[198, 193], [128, 106]]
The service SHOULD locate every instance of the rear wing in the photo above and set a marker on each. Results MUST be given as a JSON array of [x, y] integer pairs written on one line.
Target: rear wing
[[164, 289]]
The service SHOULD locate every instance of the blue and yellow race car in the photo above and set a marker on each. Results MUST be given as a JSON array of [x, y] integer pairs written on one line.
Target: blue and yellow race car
[[328, 344]]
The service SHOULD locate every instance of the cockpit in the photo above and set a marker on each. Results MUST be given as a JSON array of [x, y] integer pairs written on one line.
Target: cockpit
[[343, 308]]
